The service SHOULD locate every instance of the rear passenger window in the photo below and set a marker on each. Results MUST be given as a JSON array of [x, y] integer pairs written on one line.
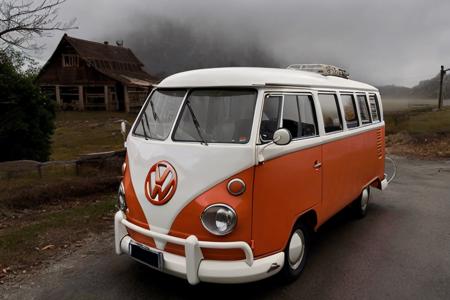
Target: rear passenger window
[[349, 106], [330, 112], [271, 113], [363, 109], [299, 116], [374, 109]]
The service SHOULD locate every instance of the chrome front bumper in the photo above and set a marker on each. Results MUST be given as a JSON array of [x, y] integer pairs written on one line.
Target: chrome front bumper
[[193, 266]]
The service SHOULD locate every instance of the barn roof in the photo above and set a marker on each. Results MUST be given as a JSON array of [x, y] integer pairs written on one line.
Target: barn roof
[[93, 50], [116, 62]]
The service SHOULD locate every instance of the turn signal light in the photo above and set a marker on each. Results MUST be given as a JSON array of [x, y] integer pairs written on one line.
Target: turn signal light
[[236, 187]]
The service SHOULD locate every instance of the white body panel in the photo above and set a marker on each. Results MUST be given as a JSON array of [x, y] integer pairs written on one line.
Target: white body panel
[[248, 77], [193, 267], [198, 168]]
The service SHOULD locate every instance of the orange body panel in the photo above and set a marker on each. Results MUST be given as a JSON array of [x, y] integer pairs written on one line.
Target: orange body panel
[[349, 165], [288, 186], [284, 188], [188, 221], [134, 212]]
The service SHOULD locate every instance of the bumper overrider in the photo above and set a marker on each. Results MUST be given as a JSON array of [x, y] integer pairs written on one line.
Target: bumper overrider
[[193, 266]]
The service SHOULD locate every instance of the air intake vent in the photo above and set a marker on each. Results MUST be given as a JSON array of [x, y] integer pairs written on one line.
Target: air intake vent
[[325, 70], [379, 144]]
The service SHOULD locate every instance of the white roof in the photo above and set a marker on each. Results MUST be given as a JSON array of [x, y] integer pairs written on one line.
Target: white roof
[[239, 76]]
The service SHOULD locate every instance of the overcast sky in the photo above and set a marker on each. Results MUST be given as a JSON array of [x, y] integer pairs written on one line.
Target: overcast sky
[[380, 42]]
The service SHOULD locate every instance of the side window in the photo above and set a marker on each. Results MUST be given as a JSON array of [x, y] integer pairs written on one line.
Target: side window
[[270, 117], [307, 115], [374, 108], [363, 109], [330, 112], [291, 115], [349, 106], [298, 115]]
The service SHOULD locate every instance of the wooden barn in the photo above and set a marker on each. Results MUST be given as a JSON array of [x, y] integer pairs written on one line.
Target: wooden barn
[[85, 75]]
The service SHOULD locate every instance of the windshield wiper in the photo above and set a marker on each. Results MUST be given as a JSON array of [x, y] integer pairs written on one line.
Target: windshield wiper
[[147, 136], [197, 125], [155, 116]]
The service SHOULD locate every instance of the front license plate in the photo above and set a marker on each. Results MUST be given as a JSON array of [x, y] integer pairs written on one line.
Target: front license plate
[[146, 256]]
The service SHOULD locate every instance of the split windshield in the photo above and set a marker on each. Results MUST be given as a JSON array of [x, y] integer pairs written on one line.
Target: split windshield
[[207, 116], [158, 116]]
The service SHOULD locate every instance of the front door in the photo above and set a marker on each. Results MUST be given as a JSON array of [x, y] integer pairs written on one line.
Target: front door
[[289, 182]]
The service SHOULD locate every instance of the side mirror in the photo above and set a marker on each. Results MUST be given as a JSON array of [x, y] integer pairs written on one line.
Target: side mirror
[[282, 137]]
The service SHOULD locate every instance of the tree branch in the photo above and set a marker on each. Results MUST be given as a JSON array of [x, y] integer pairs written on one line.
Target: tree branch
[[22, 20]]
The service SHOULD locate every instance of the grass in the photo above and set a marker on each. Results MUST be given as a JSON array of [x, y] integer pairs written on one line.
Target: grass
[[31, 193], [419, 122], [419, 133], [62, 207], [80, 133], [22, 244]]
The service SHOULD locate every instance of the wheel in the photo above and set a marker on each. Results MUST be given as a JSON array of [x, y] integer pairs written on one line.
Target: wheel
[[361, 204], [296, 252]]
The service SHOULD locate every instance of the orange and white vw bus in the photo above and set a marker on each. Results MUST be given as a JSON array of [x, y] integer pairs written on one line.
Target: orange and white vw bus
[[229, 170]]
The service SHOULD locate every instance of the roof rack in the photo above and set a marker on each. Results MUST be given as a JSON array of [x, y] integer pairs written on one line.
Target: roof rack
[[325, 70]]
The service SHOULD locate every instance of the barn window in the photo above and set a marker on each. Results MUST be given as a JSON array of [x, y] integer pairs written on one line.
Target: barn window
[[70, 60]]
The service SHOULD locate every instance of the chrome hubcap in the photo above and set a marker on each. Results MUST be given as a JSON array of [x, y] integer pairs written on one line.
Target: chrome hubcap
[[296, 249], [364, 199]]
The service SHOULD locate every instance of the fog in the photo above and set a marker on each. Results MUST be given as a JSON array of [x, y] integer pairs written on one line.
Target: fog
[[380, 42]]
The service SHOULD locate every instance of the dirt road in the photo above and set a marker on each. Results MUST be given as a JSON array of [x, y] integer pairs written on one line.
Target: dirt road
[[401, 250]]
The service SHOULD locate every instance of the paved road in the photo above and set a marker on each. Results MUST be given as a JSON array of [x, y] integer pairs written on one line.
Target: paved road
[[401, 250]]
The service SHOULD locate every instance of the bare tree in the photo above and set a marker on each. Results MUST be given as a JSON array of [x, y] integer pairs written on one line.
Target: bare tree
[[23, 20]]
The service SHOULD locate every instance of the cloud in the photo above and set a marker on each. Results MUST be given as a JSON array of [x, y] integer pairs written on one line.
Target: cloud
[[381, 42]]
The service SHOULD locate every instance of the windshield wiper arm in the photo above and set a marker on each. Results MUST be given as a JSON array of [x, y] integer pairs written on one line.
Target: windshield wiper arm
[[155, 116], [197, 125], [147, 136]]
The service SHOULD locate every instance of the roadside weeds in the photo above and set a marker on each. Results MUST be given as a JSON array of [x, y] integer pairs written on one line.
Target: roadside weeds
[[31, 238]]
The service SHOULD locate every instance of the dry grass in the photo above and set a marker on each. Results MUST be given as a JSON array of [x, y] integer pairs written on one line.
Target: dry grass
[[420, 133], [31, 193], [80, 133], [47, 215], [32, 237]]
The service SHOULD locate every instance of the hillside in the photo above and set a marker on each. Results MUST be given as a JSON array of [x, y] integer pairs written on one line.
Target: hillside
[[425, 89]]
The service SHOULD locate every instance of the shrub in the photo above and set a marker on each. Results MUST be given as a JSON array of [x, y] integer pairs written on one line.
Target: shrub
[[26, 115]]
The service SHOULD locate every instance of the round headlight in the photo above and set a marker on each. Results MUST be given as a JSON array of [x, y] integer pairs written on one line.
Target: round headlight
[[219, 219], [121, 198]]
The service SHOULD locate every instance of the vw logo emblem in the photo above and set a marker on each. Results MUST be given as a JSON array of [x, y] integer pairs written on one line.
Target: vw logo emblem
[[160, 183]]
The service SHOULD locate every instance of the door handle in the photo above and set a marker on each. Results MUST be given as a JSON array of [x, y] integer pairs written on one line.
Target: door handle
[[317, 164]]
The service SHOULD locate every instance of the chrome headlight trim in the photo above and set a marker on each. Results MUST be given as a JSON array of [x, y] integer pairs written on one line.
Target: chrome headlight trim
[[210, 227], [121, 201]]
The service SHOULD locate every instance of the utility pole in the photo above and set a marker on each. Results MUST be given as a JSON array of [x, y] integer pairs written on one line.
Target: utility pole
[[441, 94]]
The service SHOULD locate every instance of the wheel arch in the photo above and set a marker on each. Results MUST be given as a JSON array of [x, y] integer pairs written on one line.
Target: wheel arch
[[308, 218]]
